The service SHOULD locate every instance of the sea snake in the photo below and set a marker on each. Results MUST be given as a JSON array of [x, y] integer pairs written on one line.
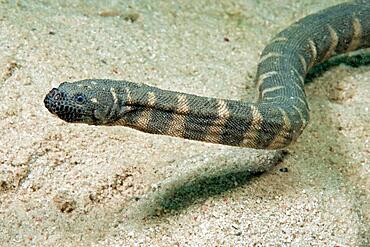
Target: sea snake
[[277, 118]]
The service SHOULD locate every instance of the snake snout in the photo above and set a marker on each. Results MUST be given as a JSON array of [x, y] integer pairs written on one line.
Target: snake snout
[[52, 100]]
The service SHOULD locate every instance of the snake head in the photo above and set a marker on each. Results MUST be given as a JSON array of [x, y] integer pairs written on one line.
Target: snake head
[[80, 102]]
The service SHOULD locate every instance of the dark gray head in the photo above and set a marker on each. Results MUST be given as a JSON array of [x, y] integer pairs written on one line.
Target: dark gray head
[[87, 101]]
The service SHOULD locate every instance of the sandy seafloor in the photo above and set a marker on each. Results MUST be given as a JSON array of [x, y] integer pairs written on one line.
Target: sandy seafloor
[[78, 185]]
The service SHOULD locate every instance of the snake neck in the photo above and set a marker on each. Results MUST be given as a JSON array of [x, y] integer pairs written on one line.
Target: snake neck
[[157, 111], [235, 123]]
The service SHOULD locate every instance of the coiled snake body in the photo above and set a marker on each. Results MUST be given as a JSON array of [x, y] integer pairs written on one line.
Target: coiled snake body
[[274, 121]]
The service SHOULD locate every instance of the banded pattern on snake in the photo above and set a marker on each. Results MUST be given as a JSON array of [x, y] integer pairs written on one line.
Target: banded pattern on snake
[[274, 121]]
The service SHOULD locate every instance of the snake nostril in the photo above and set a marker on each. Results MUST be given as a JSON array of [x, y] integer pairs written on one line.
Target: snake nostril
[[54, 94]]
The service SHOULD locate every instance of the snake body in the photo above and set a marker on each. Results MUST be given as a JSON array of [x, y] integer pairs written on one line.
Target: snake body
[[276, 120]]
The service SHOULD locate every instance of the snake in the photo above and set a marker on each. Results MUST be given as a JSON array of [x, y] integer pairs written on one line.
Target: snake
[[274, 121]]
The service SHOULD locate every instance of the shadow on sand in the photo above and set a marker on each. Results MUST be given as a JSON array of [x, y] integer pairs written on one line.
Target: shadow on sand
[[175, 198]]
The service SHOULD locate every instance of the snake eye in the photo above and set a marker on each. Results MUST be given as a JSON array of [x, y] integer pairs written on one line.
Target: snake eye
[[80, 98]]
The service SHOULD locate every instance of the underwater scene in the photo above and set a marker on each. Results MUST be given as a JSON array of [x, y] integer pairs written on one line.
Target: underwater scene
[[184, 123]]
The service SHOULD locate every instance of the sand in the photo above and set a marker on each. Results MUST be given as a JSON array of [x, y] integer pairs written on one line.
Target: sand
[[77, 185]]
